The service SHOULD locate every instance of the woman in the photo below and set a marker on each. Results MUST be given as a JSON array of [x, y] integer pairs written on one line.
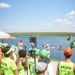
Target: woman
[[8, 66]]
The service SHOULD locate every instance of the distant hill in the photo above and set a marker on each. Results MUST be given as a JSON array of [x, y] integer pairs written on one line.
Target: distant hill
[[42, 34]]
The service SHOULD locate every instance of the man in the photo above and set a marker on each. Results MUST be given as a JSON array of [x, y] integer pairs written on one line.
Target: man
[[41, 67], [66, 67], [44, 58], [48, 49], [20, 45]]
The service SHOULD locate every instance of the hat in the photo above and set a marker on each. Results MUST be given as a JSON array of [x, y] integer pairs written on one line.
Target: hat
[[40, 66], [1, 44], [13, 47], [47, 45], [44, 53], [68, 51], [36, 51], [45, 60]]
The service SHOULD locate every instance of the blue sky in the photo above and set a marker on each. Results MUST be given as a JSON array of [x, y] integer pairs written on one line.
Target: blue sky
[[37, 15]]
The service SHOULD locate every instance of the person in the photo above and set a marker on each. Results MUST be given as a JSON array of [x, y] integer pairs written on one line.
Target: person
[[20, 45], [66, 67], [44, 58], [31, 45], [5, 44], [8, 66], [41, 67], [48, 49], [1, 54], [33, 60], [13, 47], [22, 63]]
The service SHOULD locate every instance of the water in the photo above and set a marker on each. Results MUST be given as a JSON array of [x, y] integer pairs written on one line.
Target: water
[[52, 40]]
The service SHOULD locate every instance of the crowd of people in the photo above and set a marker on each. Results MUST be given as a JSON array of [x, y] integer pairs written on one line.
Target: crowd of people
[[35, 62]]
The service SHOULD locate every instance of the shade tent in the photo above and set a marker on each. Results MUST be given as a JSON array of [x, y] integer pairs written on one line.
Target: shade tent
[[4, 35]]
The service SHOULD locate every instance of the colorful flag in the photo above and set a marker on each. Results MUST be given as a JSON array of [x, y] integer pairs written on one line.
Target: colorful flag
[[60, 47], [72, 44], [69, 38], [53, 47]]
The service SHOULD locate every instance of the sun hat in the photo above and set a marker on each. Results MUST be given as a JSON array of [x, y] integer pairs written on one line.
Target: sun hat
[[1, 44], [45, 60], [68, 51], [44, 53], [40, 66], [13, 47], [47, 44]]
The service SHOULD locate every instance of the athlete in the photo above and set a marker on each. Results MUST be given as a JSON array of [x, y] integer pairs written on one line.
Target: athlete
[[66, 67]]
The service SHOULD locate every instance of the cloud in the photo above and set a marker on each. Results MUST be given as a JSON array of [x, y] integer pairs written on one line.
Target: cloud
[[71, 14], [8, 27], [5, 5], [63, 22], [47, 24]]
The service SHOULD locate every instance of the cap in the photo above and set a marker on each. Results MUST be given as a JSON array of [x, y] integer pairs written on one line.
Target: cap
[[45, 60], [1, 44], [47, 45], [40, 66], [68, 51], [36, 51], [43, 53], [13, 47]]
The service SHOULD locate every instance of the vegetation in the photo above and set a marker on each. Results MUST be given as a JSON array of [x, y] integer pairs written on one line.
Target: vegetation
[[42, 34]]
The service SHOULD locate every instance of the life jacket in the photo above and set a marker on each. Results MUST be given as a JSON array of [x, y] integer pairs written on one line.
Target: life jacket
[[22, 66], [5, 67], [66, 68]]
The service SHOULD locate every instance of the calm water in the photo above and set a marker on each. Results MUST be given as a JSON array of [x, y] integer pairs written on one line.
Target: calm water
[[52, 40]]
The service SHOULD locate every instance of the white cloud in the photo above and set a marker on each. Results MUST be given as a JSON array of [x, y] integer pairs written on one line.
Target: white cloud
[[71, 14], [47, 24], [63, 22], [4, 5], [8, 27]]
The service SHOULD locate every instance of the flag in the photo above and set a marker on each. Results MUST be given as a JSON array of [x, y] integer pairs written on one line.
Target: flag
[[53, 47], [69, 38], [60, 47], [72, 44]]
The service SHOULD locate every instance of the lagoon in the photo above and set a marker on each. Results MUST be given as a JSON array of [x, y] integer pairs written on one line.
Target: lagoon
[[51, 40]]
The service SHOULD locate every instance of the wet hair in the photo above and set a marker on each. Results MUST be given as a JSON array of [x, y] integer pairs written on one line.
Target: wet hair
[[6, 49], [22, 53]]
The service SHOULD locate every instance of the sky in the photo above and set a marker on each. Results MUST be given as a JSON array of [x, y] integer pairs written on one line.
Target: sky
[[37, 16]]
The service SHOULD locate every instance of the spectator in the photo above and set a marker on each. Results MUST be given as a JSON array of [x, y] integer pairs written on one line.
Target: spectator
[[8, 66], [31, 45], [41, 67], [22, 63], [48, 49], [33, 60], [20, 45], [44, 58], [66, 67]]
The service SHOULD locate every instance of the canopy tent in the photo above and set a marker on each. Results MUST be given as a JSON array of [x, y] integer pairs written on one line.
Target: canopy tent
[[5, 36]]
